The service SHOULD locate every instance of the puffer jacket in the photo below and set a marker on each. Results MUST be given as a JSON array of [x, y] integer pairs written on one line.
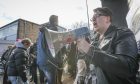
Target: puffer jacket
[[116, 55], [17, 63]]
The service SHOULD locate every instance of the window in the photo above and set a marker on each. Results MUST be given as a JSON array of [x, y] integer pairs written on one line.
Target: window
[[9, 32]]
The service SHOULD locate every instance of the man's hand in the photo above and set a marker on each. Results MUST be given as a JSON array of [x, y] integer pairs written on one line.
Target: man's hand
[[42, 28], [83, 45]]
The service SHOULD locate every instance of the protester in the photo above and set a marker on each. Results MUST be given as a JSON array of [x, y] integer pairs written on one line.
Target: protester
[[45, 60], [72, 59], [115, 53], [34, 66], [4, 59], [32, 63], [6, 54], [17, 63], [60, 60], [138, 74], [81, 72], [51, 66]]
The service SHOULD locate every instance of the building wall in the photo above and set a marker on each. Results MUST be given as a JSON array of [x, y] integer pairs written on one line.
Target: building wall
[[20, 29], [28, 29]]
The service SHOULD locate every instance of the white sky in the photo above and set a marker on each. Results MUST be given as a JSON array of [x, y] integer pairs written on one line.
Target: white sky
[[39, 11]]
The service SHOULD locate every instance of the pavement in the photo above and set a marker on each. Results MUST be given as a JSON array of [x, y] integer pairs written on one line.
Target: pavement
[[66, 79], [1, 79]]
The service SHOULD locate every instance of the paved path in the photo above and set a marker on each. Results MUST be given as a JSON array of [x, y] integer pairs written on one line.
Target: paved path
[[1, 78], [66, 79]]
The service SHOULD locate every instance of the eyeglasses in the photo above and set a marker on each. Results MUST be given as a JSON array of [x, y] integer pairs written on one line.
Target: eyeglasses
[[95, 16]]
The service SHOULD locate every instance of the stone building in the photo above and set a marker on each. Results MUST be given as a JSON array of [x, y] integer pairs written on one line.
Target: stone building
[[20, 29]]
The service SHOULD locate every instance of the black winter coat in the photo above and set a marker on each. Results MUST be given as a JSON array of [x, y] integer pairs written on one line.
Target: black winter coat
[[17, 63], [117, 55]]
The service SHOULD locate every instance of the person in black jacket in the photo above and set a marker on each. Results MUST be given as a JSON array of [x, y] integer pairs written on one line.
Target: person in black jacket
[[4, 59], [7, 53], [17, 63], [115, 53], [51, 66], [34, 66]]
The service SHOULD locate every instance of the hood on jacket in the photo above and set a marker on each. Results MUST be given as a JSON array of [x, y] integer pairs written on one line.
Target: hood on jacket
[[19, 44]]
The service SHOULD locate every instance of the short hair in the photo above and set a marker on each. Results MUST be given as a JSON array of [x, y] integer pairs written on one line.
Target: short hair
[[103, 11], [26, 40], [53, 20]]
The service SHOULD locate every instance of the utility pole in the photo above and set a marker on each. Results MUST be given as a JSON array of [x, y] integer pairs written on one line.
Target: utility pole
[[87, 14]]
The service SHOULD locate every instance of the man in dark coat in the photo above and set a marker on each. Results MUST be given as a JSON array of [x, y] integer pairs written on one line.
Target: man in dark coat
[[115, 53], [17, 63], [33, 64], [72, 58], [51, 66]]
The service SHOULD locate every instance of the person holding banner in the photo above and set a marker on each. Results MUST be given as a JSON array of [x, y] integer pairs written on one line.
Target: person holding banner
[[45, 60]]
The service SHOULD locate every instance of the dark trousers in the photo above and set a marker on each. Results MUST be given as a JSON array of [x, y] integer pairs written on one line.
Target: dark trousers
[[59, 76], [5, 76], [34, 73]]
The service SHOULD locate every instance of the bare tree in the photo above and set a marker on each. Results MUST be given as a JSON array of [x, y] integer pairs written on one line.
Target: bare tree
[[79, 24]]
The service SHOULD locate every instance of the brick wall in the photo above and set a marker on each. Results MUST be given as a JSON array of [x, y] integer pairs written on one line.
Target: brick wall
[[28, 29]]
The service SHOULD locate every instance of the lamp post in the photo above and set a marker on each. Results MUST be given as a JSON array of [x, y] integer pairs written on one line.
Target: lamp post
[[87, 14]]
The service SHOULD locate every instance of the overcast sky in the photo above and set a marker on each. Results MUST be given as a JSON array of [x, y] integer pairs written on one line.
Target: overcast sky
[[39, 11]]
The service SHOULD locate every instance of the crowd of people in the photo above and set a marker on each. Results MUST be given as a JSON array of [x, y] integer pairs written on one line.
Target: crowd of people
[[110, 57]]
